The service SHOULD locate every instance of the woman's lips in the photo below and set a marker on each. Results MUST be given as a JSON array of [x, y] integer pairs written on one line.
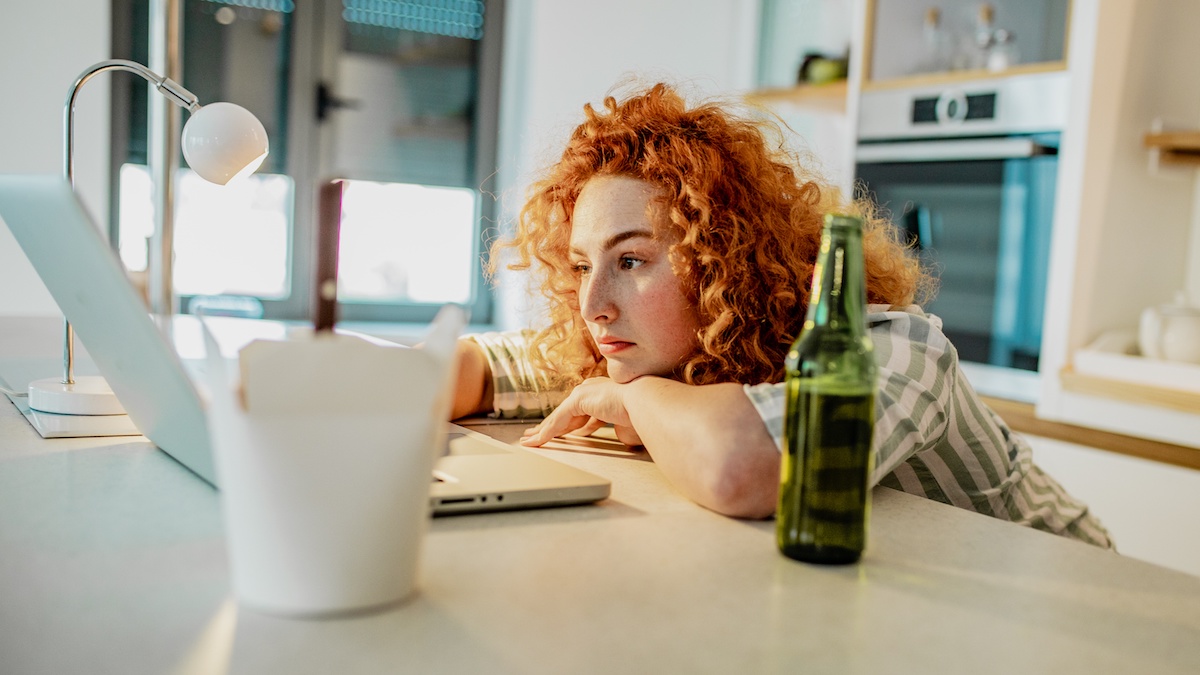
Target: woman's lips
[[611, 347]]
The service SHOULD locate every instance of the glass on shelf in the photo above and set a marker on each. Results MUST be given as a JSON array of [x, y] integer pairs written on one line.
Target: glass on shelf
[[935, 56], [1002, 54]]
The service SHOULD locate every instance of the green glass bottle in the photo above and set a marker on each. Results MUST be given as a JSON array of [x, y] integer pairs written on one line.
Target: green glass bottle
[[830, 411]]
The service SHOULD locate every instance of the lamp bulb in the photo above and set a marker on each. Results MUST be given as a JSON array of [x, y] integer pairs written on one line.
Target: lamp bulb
[[223, 140]]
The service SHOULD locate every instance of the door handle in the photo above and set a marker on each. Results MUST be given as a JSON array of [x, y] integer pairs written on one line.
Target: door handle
[[967, 150], [918, 227], [328, 102]]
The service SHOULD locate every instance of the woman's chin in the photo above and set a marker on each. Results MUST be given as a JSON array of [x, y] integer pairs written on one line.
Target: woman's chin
[[622, 374], [622, 378]]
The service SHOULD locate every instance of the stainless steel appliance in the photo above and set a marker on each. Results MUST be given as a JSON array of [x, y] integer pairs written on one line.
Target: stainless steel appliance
[[968, 172]]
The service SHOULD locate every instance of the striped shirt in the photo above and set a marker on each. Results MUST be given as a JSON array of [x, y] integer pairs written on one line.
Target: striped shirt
[[518, 389], [933, 436]]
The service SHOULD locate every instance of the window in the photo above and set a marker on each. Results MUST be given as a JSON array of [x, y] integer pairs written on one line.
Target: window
[[398, 97]]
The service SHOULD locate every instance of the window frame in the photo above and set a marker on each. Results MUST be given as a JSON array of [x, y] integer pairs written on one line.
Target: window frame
[[314, 49]]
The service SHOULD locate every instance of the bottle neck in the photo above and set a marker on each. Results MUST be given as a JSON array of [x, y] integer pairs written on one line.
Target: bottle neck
[[839, 295]]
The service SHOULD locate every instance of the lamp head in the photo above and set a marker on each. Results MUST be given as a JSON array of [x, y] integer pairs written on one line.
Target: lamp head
[[222, 141]]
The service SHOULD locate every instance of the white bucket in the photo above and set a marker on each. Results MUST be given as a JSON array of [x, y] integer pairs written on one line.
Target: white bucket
[[324, 458]]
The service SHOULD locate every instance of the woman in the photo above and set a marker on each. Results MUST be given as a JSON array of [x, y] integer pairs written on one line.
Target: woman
[[675, 248]]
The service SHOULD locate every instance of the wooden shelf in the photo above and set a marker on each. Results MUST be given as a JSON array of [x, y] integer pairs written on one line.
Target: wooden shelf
[[1175, 147], [828, 97], [1174, 399], [960, 76], [1023, 419]]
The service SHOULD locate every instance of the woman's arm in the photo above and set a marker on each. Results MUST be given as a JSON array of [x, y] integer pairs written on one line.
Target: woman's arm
[[708, 440], [473, 390]]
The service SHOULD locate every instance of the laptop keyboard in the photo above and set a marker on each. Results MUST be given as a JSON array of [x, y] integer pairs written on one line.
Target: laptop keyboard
[[462, 444]]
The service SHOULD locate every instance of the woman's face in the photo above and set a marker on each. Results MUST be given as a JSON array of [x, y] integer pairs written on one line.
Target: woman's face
[[631, 300]]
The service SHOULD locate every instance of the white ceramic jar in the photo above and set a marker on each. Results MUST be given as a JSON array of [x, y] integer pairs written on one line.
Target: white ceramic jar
[[1171, 332]]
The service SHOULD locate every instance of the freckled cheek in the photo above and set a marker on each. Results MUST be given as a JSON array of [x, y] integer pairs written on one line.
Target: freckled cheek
[[669, 312]]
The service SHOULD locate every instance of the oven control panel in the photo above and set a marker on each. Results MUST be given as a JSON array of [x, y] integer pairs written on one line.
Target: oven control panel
[[1025, 103], [952, 107]]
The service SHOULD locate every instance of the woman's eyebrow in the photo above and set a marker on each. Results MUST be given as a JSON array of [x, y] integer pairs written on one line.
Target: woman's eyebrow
[[619, 237]]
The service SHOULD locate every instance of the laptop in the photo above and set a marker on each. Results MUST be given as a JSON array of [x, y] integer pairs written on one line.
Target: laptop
[[129, 348]]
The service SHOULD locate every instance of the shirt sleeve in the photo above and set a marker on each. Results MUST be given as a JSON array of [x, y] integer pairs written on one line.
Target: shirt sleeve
[[769, 399], [915, 363], [934, 436], [918, 368], [519, 389]]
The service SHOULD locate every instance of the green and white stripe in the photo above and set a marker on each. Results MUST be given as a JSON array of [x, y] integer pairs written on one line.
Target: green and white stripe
[[520, 390]]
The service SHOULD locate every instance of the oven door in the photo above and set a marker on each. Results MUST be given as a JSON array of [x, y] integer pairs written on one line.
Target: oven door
[[979, 213]]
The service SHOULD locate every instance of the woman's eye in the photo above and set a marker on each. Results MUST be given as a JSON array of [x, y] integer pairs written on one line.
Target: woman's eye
[[628, 263], [581, 269]]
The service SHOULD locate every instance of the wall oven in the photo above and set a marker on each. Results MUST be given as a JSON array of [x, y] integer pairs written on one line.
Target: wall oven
[[968, 174]]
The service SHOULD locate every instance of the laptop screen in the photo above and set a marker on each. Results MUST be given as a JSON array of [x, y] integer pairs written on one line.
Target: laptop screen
[[87, 280]]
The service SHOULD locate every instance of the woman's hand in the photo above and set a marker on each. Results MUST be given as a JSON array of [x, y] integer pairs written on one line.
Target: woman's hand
[[708, 440], [590, 405]]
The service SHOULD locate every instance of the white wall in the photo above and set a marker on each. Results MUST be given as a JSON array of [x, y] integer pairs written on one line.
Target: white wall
[[560, 54], [44, 46]]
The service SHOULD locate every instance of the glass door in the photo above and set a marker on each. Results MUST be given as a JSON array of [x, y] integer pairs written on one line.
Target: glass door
[[407, 105], [982, 227], [398, 97]]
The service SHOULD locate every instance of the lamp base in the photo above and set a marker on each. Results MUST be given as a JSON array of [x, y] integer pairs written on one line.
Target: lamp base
[[87, 396]]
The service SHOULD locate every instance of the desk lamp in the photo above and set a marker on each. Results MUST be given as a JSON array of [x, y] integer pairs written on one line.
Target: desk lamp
[[221, 141]]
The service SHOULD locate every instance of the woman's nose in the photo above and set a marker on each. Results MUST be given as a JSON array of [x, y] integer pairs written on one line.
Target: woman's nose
[[596, 299]]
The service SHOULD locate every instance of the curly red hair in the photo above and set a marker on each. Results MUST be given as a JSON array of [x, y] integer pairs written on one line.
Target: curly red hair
[[746, 218]]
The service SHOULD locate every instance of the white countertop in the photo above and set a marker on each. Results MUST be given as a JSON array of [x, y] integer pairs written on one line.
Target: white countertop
[[112, 559]]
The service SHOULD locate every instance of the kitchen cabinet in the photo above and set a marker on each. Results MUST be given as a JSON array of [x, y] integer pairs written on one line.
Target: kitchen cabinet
[[1148, 507], [909, 44], [1126, 235], [830, 97], [1127, 229]]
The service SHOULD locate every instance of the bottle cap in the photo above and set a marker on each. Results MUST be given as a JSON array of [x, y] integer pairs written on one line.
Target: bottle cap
[[987, 14]]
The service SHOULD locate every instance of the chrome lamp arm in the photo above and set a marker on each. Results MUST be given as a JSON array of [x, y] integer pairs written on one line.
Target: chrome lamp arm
[[174, 91], [221, 141]]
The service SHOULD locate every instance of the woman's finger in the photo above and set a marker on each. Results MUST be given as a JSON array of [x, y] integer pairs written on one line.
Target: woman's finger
[[554, 425], [590, 428]]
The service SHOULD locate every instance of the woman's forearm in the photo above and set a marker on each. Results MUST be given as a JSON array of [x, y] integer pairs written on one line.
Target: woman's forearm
[[709, 441]]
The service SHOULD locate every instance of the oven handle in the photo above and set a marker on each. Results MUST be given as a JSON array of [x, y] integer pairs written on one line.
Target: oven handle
[[951, 150]]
